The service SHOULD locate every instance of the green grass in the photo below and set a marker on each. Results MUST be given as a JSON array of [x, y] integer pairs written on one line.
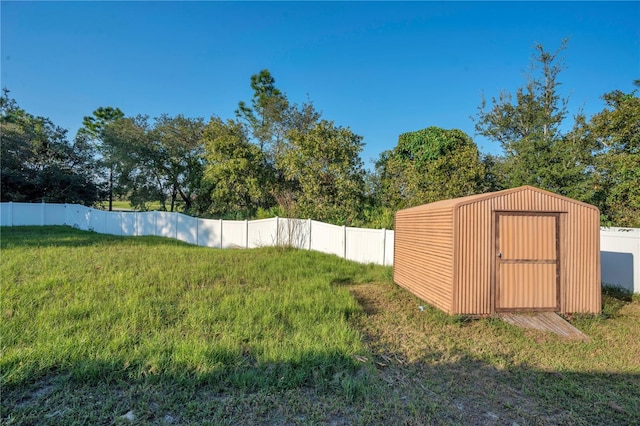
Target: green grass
[[95, 306], [126, 205], [95, 326]]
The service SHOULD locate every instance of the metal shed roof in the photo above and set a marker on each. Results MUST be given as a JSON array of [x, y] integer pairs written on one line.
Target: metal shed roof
[[456, 202]]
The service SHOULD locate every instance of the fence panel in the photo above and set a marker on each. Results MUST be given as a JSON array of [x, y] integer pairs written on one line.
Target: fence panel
[[234, 234], [209, 233], [128, 224], [327, 238], [114, 223], [262, 232], [54, 214], [293, 233], [365, 245], [145, 223], [187, 228], [6, 213], [77, 216], [166, 224], [25, 214], [97, 221], [620, 257]]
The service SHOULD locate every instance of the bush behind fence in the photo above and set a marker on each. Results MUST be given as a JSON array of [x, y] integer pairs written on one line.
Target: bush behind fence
[[620, 247]]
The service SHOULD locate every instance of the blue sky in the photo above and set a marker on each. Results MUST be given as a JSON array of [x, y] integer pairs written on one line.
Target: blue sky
[[380, 68]]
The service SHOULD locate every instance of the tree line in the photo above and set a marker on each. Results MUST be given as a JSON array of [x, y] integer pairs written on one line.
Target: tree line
[[277, 157]]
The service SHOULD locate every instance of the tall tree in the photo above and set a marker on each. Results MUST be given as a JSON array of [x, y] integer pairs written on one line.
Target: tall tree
[[429, 165], [266, 116], [38, 163], [616, 130], [179, 153], [92, 130], [529, 129], [157, 161], [130, 147], [325, 162], [235, 169], [268, 120]]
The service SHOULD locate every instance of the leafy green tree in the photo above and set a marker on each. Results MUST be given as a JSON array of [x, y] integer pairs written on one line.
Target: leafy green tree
[[266, 117], [429, 165], [494, 174], [179, 154], [38, 163], [528, 127], [616, 131], [234, 171], [93, 125], [268, 120], [325, 162], [92, 132], [158, 161], [133, 153]]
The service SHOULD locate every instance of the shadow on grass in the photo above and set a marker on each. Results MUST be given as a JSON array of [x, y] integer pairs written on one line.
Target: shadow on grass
[[486, 387], [65, 236], [328, 388], [472, 391], [40, 397]]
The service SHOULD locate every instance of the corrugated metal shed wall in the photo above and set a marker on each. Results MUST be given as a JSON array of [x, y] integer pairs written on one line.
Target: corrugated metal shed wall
[[579, 236], [423, 255], [583, 292]]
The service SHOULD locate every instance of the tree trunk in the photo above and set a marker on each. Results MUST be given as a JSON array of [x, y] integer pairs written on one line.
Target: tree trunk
[[173, 197]]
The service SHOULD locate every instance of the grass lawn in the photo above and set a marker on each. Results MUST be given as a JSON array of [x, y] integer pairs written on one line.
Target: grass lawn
[[98, 329], [126, 205]]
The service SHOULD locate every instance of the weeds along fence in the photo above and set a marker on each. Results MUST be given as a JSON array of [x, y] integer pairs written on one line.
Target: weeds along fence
[[620, 247], [357, 244]]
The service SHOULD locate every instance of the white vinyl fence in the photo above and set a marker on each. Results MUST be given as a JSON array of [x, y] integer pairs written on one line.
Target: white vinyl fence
[[360, 245], [620, 247], [620, 257]]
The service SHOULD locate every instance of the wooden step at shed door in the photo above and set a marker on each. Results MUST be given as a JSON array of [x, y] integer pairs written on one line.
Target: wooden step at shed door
[[545, 321], [527, 262]]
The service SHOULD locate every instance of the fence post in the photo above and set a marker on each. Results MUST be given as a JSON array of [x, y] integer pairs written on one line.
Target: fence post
[[42, 213], [246, 233], [197, 231], [384, 245], [221, 233], [10, 213], [175, 222], [277, 231], [309, 220], [344, 241]]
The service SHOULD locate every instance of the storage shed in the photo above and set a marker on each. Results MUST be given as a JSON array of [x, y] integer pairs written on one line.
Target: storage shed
[[521, 249]]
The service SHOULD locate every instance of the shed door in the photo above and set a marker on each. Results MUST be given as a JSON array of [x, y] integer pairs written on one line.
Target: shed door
[[527, 262]]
